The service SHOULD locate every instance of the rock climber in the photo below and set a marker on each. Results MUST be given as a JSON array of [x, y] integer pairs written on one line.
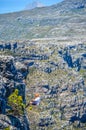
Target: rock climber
[[35, 100]]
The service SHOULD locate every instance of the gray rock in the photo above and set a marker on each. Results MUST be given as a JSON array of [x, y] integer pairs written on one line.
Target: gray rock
[[11, 77]]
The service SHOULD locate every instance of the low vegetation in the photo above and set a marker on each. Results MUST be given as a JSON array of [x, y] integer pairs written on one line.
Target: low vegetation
[[16, 103]]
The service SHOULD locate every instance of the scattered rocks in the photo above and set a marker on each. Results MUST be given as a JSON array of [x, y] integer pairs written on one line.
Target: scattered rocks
[[46, 121]]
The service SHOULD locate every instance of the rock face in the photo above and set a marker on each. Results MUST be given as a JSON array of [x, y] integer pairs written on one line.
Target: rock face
[[11, 78], [55, 70], [61, 81]]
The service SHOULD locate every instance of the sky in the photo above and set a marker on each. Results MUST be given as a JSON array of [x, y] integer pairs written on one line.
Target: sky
[[7, 6]]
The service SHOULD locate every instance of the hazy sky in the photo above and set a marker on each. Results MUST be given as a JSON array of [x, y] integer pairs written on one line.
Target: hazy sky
[[17, 5]]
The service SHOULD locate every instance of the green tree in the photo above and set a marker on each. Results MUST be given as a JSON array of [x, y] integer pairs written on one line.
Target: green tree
[[16, 103]]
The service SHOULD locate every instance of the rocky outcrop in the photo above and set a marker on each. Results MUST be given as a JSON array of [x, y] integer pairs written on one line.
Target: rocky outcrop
[[76, 59], [12, 77], [8, 46]]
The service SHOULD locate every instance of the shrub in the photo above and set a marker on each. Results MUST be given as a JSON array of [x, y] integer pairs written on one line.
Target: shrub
[[7, 128], [16, 103]]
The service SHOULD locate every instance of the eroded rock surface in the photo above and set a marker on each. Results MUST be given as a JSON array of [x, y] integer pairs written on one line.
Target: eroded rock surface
[[58, 72], [10, 79]]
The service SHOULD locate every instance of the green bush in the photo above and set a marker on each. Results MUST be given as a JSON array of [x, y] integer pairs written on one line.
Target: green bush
[[7, 128], [16, 103]]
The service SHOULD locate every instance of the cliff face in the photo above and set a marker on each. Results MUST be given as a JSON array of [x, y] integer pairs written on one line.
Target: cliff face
[[11, 78], [57, 70]]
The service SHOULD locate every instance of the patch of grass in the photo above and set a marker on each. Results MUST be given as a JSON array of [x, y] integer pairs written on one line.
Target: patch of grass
[[83, 73]]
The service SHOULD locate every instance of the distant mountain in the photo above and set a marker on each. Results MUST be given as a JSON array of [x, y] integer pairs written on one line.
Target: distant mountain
[[65, 19], [33, 5]]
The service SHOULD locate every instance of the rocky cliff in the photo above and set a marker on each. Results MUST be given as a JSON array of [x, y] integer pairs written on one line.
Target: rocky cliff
[[11, 78], [57, 70]]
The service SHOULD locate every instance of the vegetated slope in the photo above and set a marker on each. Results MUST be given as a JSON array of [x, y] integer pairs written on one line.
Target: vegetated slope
[[66, 19]]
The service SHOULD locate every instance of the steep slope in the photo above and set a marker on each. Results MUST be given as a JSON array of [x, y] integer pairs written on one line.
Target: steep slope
[[66, 19]]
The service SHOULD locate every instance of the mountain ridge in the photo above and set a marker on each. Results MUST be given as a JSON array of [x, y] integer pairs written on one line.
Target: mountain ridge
[[62, 19]]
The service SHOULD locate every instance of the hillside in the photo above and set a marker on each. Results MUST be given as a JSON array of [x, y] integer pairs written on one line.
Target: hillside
[[66, 19]]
